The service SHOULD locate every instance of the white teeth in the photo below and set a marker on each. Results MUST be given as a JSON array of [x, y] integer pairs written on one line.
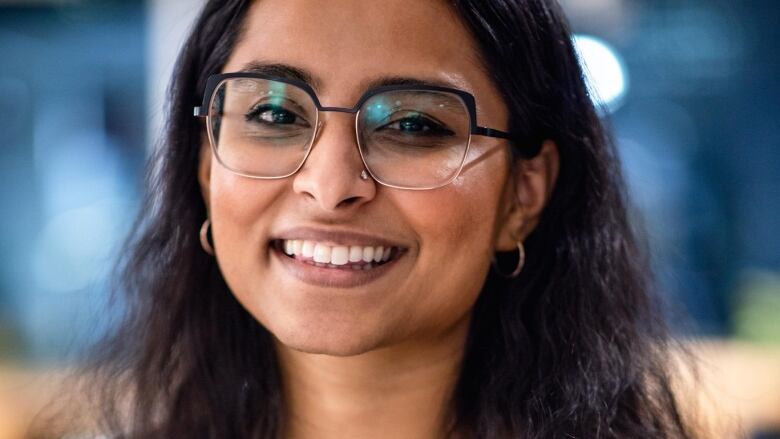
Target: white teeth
[[378, 253], [335, 256], [368, 254], [339, 255], [322, 253], [307, 249], [355, 254]]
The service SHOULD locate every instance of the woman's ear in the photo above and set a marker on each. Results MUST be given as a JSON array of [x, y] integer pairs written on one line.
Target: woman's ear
[[531, 185], [204, 172]]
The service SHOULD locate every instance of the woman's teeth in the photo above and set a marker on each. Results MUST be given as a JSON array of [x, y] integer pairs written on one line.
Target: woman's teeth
[[337, 255]]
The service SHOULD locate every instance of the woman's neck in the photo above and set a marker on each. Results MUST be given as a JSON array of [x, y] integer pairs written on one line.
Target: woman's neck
[[398, 391]]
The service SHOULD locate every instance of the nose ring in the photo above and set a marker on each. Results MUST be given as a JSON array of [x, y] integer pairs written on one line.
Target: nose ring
[[364, 175]]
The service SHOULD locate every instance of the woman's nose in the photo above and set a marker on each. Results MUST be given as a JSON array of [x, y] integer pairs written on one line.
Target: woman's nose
[[331, 175]]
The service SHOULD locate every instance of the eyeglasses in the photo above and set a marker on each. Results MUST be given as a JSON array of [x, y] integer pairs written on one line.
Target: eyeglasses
[[409, 137]]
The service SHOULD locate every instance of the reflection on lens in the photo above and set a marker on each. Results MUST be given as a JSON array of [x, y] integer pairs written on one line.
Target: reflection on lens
[[260, 127], [377, 110], [414, 138]]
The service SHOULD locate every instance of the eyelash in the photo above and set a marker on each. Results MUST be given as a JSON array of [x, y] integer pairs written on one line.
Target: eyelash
[[431, 127], [259, 109]]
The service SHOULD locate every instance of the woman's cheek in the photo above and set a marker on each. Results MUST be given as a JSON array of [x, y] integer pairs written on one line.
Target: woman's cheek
[[455, 229], [239, 210]]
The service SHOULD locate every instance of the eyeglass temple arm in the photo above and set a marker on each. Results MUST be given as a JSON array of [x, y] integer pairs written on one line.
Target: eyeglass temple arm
[[490, 132], [526, 150], [198, 112]]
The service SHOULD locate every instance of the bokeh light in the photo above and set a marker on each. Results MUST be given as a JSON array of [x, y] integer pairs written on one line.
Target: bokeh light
[[604, 70]]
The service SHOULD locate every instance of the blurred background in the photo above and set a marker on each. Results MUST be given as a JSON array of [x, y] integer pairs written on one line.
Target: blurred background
[[689, 88]]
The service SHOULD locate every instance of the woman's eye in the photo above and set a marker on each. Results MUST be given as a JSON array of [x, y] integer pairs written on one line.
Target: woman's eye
[[418, 125], [274, 115]]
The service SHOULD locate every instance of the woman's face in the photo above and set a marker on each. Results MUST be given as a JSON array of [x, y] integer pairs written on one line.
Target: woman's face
[[443, 238]]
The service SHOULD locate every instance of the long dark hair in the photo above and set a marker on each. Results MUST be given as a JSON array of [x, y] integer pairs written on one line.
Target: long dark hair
[[573, 347]]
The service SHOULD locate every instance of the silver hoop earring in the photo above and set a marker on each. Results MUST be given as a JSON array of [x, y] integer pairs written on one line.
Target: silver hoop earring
[[204, 237], [520, 263]]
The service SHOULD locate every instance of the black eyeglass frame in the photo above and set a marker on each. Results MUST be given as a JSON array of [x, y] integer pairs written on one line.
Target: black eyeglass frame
[[214, 81]]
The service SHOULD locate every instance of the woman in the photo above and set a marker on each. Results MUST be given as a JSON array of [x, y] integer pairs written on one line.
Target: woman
[[395, 219]]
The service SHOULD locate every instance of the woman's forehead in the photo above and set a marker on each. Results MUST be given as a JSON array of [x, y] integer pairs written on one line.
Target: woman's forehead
[[346, 44]]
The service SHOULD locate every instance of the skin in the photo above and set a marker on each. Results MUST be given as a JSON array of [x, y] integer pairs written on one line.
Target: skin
[[382, 358]]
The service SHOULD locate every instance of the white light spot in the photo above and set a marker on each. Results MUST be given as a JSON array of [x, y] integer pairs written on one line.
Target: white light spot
[[604, 70]]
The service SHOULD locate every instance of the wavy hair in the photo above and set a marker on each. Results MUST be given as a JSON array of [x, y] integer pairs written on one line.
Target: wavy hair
[[573, 347]]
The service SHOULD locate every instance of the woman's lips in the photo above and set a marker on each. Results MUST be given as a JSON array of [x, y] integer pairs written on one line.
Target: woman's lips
[[329, 265]]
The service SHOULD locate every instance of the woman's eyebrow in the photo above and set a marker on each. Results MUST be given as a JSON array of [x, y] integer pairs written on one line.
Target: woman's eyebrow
[[408, 80], [288, 71], [281, 70]]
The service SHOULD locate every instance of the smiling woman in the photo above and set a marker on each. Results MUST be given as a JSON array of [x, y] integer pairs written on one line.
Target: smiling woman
[[323, 251]]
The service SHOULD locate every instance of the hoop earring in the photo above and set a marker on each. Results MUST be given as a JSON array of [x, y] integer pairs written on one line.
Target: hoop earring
[[204, 237], [520, 263]]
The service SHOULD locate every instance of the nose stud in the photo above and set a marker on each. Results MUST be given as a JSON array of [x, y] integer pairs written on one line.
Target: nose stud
[[364, 175]]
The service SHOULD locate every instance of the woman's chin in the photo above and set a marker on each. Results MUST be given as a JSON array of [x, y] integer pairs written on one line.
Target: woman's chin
[[327, 340]]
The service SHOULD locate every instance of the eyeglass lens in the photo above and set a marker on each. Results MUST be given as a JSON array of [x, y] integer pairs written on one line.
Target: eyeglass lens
[[407, 138]]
